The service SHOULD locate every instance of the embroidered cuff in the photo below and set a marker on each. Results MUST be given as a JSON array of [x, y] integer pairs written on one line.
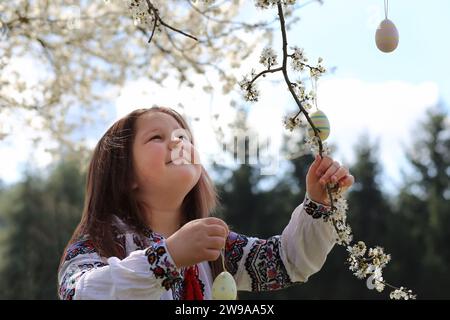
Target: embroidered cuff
[[315, 209], [162, 265]]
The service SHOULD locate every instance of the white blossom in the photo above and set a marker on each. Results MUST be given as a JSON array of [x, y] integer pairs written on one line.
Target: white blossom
[[264, 4], [358, 249], [251, 92], [316, 72], [268, 57], [298, 59], [291, 123], [140, 13], [402, 293]]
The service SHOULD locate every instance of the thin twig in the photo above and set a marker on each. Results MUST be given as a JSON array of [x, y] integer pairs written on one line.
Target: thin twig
[[154, 11], [286, 77]]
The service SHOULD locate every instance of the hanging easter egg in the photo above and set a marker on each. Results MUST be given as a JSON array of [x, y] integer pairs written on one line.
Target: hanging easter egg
[[386, 36], [320, 121], [224, 287]]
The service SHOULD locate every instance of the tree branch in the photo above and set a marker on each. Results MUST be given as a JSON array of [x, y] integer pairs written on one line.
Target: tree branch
[[153, 11]]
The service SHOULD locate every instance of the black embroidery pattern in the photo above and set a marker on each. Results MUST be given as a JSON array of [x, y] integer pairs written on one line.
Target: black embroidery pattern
[[234, 250], [265, 267], [316, 210], [177, 290], [160, 265], [202, 285]]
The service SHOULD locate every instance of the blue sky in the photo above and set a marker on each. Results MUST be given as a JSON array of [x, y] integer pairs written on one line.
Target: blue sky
[[342, 31], [382, 95]]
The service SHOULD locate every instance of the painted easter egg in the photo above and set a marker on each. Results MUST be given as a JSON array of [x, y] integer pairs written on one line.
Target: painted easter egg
[[386, 36], [224, 287], [320, 121]]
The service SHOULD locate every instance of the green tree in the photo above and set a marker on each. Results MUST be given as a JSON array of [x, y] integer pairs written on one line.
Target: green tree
[[40, 216], [423, 208]]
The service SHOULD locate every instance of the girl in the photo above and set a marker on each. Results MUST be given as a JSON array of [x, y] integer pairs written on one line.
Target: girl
[[146, 230]]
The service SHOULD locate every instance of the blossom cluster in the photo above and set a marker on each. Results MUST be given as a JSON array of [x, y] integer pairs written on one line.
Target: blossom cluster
[[140, 13], [264, 4], [307, 98], [339, 218], [291, 123], [402, 293], [268, 57], [370, 263], [249, 87], [298, 59]]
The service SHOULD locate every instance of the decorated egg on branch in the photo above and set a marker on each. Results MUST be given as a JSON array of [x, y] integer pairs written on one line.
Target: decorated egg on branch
[[320, 121]]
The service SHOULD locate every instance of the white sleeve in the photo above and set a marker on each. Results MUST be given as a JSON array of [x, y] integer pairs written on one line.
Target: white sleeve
[[306, 240], [144, 274], [280, 261]]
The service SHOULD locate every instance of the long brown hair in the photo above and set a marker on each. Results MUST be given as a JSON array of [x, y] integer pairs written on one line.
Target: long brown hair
[[109, 184]]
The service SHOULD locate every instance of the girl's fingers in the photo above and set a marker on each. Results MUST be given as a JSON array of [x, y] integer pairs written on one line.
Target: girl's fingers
[[324, 165], [329, 171], [347, 181], [216, 243], [332, 169], [316, 163], [216, 221], [217, 230], [339, 174]]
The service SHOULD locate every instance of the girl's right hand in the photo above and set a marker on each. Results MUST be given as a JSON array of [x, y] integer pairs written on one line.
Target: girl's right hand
[[198, 240]]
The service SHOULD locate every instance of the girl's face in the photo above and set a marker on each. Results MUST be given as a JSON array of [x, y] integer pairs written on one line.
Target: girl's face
[[164, 160]]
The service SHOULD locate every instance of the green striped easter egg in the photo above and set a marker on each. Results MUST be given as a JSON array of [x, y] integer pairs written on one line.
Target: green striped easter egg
[[320, 121]]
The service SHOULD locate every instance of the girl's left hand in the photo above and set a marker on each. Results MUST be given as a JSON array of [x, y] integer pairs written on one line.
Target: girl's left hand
[[323, 171]]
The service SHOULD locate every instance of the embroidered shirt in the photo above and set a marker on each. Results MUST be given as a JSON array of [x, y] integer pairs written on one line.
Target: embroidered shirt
[[149, 272]]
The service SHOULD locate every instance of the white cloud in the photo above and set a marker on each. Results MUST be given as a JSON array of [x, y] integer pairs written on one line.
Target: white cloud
[[17, 149], [389, 111]]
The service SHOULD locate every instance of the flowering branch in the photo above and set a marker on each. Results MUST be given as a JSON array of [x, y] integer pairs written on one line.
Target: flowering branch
[[140, 16], [363, 266]]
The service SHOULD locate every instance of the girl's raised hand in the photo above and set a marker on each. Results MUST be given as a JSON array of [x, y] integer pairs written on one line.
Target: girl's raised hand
[[323, 171], [198, 240]]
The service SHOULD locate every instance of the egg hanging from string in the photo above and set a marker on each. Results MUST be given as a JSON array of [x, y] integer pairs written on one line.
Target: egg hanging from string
[[320, 121], [224, 287], [386, 36]]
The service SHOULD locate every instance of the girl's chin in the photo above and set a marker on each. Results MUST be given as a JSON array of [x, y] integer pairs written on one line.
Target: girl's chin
[[185, 168]]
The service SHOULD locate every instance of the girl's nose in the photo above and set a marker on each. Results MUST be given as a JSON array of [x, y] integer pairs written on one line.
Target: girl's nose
[[174, 143]]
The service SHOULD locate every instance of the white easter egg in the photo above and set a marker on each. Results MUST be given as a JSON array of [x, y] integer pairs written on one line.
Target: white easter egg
[[224, 287], [386, 36], [320, 121]]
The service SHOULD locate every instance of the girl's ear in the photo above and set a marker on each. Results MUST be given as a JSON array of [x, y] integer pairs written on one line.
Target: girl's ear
[[134, 186]]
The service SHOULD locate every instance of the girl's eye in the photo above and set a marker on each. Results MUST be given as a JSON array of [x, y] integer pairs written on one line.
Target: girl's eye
[[183, 137], [156, 137]]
